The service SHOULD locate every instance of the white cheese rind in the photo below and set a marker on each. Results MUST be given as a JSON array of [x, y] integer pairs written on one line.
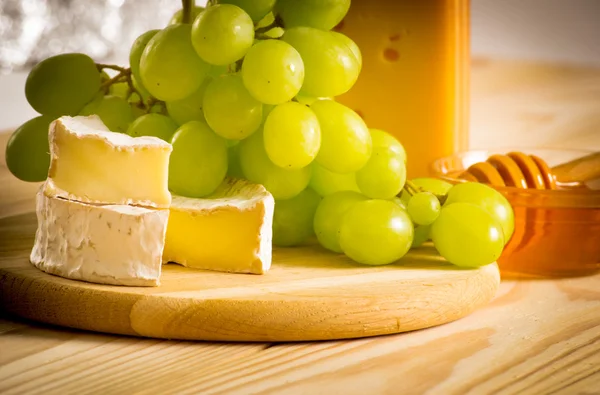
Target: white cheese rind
[[91, 164], [230, 231], [112, 244]]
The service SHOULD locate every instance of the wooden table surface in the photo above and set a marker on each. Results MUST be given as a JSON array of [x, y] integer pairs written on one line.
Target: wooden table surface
[[535, 337]]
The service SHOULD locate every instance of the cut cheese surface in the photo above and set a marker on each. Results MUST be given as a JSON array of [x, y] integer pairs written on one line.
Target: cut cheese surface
[[105, 244], [229, 231], [91, 164]]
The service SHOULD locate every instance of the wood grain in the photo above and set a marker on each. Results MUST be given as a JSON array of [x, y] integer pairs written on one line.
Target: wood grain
[[535, 337], [309, 294]]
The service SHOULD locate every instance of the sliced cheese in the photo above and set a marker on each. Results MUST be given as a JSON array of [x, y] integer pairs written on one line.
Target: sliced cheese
[[91, 164], [106, 244], [229, 231]]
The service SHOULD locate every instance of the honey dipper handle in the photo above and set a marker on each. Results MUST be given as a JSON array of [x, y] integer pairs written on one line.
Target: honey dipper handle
[[582, 169]]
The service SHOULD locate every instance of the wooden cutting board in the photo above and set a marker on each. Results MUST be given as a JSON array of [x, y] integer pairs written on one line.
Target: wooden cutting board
[[310, 294]]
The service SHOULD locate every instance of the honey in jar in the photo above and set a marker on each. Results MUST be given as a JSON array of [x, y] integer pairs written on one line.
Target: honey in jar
[[414, 78]]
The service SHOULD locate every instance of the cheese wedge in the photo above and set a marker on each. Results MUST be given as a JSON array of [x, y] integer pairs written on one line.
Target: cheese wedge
[[91, 164], [229, 231], [105, 244]]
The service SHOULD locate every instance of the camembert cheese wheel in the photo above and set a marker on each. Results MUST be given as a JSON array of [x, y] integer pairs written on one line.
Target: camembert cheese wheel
[[229, 231]]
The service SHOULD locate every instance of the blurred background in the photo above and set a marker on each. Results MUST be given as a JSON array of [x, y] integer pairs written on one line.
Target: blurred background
[[566, 32]]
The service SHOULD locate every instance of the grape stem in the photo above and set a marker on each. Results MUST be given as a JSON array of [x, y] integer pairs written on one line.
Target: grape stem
[[412, 189], [120, 69], [125, 75], [186, 6]]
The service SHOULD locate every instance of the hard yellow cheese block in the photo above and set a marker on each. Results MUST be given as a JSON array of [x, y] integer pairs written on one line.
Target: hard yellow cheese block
[[89, 163], [229, 231]]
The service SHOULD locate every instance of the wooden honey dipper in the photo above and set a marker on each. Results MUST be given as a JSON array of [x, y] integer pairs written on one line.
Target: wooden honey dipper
[[519, 170]]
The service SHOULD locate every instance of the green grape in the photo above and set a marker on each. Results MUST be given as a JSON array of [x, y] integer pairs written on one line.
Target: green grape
[[273, 71], [120, 89], [326, 182], [433, 185], [178, 15], [217, 71], [257, 9], [488, 199], [229, 109], [345, 140], [293, 218], [329, 214], [159, 108], [383, 176], [136, 111], [399, 202], [234, 168], [198, 163], [376, 232], [170, 68], [266, 21], [282, 183], [423, 208], [466, 235], [309, 100], [321, 14], [267, 108], [135, 55], [330, 66], [189, 108], [141, 89], [421, 235], [351, 46], [292, 135], [104, 77], [222, 34], [275, 32], [62, 84], [385, 140], [156, 125], [27, 152], [114, 112]]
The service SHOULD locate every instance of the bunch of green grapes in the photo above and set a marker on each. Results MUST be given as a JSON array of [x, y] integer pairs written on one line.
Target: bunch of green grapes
[[246, 89]]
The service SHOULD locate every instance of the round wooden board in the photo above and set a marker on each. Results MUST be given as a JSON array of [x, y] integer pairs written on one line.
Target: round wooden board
[[309, 294]]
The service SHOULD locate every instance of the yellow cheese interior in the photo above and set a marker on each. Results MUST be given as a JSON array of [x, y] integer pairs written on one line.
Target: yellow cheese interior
[[90, 169], [224, 239], [414, 79]]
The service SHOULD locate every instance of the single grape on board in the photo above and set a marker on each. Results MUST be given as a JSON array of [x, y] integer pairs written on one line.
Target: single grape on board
[[488, 199], [467, 236], [376, 232], [329, 214]]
